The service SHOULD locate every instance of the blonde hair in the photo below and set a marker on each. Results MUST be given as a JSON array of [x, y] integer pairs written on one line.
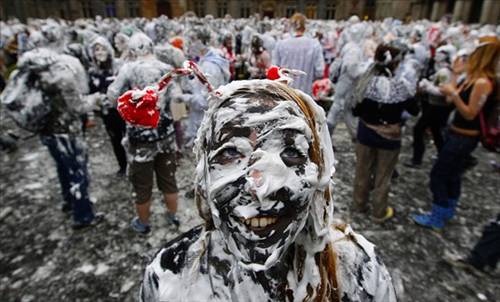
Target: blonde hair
[[298, 21], [483, 60]]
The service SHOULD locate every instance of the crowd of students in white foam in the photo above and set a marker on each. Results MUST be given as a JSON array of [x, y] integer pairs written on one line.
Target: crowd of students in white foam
[[348, 47], [66, 53]]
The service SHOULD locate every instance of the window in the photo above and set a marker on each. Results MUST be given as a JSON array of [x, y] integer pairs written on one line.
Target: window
[[244, 9], [87, 9], [330, 11], [199, 8], [311, 11], [134, 9], [110, 8], [290, 10], [221, 9]]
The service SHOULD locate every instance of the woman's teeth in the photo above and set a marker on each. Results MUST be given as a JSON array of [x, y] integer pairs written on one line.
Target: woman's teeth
[[259, 222]]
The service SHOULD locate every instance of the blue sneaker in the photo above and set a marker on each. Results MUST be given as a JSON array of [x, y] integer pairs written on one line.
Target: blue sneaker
[[140, 227], [452, 205], [435, 220]]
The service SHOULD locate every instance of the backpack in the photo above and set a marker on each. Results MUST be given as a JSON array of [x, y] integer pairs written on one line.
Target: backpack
[[490, 126]]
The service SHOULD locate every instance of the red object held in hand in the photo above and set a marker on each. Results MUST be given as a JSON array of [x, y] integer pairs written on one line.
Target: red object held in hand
[[273, 73], [141, 111]]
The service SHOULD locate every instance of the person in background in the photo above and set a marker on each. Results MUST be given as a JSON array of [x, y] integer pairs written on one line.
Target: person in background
[[477, 93], [301, 53], [54, 84], [150, 151], [435, 109], [101, 75], [381, 96], [260, 60], [485, 254]]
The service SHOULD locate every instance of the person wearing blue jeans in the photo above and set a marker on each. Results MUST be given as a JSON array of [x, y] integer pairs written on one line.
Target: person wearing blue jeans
[[447, 172], [475, 95], [44, 96], [71, 161]]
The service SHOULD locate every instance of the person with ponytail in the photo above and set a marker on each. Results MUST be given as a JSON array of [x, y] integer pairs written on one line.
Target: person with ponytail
[[476, 94], [381, 95]]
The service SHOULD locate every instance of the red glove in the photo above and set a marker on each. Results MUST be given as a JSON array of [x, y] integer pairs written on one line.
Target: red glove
[[138, 107]]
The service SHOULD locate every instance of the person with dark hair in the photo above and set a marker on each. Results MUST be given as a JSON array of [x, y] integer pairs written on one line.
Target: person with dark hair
[[381, 95], [435, 109], [264, 188], [476, 94], [101, 75], [260, 60]]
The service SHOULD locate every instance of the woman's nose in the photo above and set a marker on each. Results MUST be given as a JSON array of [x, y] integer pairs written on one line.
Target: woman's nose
[[256, 177]]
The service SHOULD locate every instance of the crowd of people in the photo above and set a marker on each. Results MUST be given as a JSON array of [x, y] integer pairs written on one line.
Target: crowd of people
[[264, 138]]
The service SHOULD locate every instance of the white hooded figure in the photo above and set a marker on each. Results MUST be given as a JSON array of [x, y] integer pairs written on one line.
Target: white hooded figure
[[170, 55], [195, 96], [44, 96], [264, 189], [346, 69]]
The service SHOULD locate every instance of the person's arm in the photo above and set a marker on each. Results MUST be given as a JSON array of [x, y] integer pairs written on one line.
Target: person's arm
[[276, 59], [480, 91], [119, 85], [319, 62]]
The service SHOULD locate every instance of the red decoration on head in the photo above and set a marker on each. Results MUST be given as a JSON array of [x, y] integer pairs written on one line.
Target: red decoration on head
[[273, 73]]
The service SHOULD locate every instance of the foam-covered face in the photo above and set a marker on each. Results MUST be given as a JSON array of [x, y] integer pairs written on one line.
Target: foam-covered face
[[120, 43], [100, 53], [260, 179]]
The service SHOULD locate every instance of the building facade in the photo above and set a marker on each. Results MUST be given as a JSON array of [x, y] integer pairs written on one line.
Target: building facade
[[469, 11]]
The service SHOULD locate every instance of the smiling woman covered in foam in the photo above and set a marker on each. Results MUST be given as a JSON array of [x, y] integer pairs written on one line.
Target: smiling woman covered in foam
[[264, 188]]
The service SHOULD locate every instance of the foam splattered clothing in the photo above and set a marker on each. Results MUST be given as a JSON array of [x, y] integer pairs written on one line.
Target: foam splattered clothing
[[101, 75], [264, 188], [44, 96], [347, 69], [302, 53], [196, 95], [140, 74]]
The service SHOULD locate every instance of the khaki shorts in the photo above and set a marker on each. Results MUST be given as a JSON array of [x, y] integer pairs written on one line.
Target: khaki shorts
[[141, 176]]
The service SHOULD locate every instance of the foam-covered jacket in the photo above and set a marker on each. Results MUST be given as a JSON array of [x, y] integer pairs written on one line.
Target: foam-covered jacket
[[181, 271], [216, 68], [44, 94], [139, 74]]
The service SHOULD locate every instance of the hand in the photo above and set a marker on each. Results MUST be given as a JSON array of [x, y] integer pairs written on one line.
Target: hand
[[448, 89]]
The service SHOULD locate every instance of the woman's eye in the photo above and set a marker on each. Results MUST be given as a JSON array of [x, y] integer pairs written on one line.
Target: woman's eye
[[227, 155], [292, 157]]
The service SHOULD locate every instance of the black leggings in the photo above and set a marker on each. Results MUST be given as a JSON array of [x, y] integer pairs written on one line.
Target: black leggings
[[434, 117], [115, 126]]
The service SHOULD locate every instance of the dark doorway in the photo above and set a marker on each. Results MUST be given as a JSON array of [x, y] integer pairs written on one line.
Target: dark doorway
[[163, 8], [268, 13], [475, 11]]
